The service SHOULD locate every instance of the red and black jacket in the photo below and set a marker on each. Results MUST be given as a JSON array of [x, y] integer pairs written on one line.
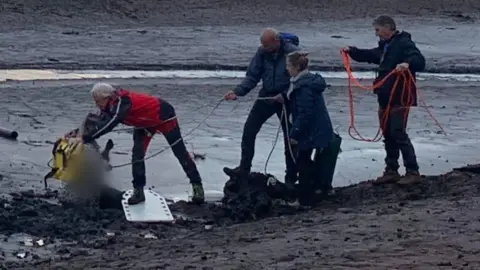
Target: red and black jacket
[[132, 109]]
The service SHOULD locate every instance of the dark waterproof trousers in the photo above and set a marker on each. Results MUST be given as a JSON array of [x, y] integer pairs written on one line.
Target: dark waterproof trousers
[[261, 111], [171, 131], [396, 140], [307, 175]]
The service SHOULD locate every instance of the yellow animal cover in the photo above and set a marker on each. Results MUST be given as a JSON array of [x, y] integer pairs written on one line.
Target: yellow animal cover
[[67, 160]]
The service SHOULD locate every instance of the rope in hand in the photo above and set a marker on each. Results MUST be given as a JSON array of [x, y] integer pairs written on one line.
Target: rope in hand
[[407, 98], [283, 117], [217, 104]]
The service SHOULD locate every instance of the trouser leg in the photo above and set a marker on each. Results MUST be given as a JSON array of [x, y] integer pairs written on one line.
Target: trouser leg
[[175, 140], [392, 149], [290, 150], [398, 134], [306, 177], [141, 140], [261, 111]]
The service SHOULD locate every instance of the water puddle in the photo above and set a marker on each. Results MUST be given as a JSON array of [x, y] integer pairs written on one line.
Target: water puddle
[[22, 247], [34, 74]]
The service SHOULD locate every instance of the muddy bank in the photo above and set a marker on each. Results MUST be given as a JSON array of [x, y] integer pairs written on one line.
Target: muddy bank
[[207, 34], [361, 226], [23, 13]]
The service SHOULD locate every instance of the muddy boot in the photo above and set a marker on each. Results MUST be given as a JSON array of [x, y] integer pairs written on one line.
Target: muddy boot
[[388, 177], [410, 178], [325, 192], [237, 172], [198, 193], [290, 179], [138, 196]]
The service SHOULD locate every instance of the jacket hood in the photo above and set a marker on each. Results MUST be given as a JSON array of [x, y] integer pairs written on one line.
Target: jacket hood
[[399, 35], [404, 35], [313, 81]]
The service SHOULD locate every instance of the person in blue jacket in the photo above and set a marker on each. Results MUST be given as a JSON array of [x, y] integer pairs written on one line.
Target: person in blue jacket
[[311, 125], [269, 66]]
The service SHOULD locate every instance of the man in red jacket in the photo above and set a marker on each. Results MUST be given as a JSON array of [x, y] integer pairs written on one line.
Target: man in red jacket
[[148, 115]]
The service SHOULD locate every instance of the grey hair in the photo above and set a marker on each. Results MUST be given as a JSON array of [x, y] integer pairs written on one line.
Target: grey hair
[[102, 90], [385, 21]]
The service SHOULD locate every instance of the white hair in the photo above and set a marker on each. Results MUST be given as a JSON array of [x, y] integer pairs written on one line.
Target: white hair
[[102, 90], [272, 30]]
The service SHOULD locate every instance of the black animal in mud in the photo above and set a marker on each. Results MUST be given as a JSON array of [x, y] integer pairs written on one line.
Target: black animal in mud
[[398, 59]]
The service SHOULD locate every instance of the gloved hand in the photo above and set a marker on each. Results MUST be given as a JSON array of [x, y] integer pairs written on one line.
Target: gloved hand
[[71, 134]]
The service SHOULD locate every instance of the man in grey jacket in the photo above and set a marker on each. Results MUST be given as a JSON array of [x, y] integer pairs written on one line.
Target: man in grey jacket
[[268, 65]]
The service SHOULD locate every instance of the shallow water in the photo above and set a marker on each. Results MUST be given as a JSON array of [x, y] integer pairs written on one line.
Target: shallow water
[[34, 74], [41, 111]]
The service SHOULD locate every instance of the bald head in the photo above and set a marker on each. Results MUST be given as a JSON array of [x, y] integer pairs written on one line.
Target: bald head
[[270, 39]]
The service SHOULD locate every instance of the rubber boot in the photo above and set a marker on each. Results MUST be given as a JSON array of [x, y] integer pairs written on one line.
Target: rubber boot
[[137, 197], [198, 193]]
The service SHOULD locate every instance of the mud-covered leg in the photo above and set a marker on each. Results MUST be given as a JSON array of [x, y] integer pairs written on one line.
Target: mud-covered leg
[[175, 140]]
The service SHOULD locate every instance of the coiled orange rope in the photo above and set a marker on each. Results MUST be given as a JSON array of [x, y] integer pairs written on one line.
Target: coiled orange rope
[[407, 99]]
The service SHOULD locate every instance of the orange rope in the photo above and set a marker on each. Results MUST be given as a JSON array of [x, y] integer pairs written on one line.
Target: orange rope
[[407, 98]]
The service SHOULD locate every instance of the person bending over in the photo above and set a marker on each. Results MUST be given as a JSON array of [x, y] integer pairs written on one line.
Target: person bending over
[[148, 115]]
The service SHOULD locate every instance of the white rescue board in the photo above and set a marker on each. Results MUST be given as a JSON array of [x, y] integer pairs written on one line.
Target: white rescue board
[[154, 209], [211, 196]]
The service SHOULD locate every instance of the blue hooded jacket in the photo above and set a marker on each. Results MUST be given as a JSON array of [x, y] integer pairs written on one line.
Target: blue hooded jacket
[[271, 68], [311, 124]]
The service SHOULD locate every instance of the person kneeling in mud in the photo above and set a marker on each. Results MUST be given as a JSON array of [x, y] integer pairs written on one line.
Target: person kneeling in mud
[[148, 115], [311, 125], [395, 51]]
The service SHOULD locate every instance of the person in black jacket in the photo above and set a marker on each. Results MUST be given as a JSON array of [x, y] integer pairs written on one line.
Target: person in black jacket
[[311, 125], [395, 51], [269, 66]]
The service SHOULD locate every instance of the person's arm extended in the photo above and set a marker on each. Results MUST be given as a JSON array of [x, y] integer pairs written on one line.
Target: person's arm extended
[[253, 76], [119, 112], [371, 56]]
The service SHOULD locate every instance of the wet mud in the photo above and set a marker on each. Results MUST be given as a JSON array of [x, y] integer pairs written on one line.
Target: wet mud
[[207, 34], [93, 233]]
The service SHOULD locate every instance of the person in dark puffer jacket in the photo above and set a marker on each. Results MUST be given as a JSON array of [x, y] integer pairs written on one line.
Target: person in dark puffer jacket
[[395, 51], [311, 125]]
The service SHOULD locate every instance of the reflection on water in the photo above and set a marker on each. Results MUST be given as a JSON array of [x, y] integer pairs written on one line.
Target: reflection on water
[[35, 74]]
